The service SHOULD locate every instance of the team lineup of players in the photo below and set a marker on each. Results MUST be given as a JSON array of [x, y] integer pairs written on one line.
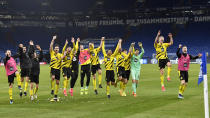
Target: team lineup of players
[[67, 63]]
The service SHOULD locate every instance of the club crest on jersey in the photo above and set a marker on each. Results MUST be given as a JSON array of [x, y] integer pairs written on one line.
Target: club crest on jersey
[[108, 59], [162, 49]]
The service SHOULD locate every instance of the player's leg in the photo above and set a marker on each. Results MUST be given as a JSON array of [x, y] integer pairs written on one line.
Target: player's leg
[[88, 78], [108, 83], [93, 69], [133, 81], [11, 81], [82, 75], [68, 77], [74, 76], [31, 89], [169, 70], [99, 76], [37, 86], [64, 71], [186, 81], [22, 75], [17, 74], [57, 77], [162, 64], [52, 81], [27, 74]]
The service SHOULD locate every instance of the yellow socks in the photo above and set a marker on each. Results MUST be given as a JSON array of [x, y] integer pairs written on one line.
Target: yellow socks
[[35, 90], [94, 84], [56, 89], [22, 85], [124, 86], [108, 89], [99, 78], [18, 79], [183, 88], [10, 93], [31, 92], [65, 83], [26, 86], [180, 89], [52, 84], [169, 71], [162, 80]]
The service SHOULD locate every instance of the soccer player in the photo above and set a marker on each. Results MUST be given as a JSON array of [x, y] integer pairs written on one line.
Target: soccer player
[[95, 65], [55, 65], [84, 59], [66, 63], [136, 67], [12, 72], [109, 64], [25, 66], [35, 70], [74, 67], [183, 67], [161, 55]]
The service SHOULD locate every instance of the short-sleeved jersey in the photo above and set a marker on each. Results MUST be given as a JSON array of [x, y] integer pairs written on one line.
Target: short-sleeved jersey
[[109, 60], [55, 61], [94, 58], [84, 57], [67, 60], [161, 50]]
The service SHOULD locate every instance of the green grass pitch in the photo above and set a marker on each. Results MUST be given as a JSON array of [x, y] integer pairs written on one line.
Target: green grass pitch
[[151, 102]]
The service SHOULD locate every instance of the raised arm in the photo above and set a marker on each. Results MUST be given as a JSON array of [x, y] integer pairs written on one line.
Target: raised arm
[[77, 44], [118, 47], [178, 51], [156, 39], [103, 47], [64, 48], [171, 39], [195, 57], [52, 42], [142, 50], [41, 56], [31, 49]]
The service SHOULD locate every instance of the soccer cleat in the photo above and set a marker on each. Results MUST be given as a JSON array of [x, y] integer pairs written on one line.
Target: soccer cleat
[[121, 92], [64, 92], [11, 101], [54, 99], [124, 94], [35, 96], [180, 96], [81, 91], [96, 92], [71, 91], [52, 92], [19, 87], [86, 91], [134, 95], [163, 88], [168, 79], [108, 96], [21, 94], [32, 98], [25, 93], [100, 86]]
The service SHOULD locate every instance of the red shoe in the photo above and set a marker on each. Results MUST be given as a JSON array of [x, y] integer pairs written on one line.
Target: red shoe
[[64, 92], [168, 79], [163, 88], [134, 95], [71, 91]]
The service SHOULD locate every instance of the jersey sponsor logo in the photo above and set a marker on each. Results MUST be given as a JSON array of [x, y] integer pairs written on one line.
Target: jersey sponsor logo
[[108, 59], [162, 49], [85, 57], [122, 57], [68, 58]]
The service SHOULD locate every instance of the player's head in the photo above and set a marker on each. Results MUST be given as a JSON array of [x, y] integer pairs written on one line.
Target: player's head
[[56, 49], [109, 52], [68, 49], [24, 49], [125, 51], [161, 39], [184, 49], [8, 53], [136, 52], [81, 47]]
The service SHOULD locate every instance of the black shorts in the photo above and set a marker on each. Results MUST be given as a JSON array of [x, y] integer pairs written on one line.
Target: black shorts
[[34, 78], [25, 72], [121, 72], [11, 78], [85, 68], [183, 75], [163, 62], [110, 76], [56, 73], [95, 68], [66, 72], [127, 73]]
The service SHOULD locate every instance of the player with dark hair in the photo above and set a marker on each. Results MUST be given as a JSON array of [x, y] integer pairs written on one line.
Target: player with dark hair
[[55, 65]]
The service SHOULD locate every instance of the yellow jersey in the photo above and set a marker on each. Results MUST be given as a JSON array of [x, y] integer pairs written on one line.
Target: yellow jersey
[[94, 58], [161, 50], [55, 61]]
